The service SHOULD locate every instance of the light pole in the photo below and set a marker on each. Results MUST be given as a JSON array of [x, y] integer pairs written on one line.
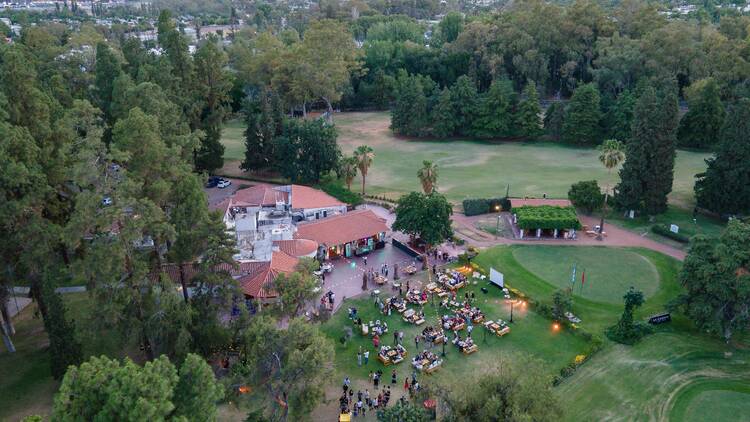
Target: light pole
[[497, 226]]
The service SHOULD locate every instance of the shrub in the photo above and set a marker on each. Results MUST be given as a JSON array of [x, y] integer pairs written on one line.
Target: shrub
[[338, 191], [477, 206], [664, 231], [586, 195]]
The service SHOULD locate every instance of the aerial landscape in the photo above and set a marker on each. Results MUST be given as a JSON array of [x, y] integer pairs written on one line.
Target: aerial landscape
[[393, 211]]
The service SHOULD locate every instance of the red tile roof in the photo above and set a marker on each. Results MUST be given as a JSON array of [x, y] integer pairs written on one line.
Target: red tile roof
[[258, 285], [342, 228], [261, 194], [254, 277], [520, 202], [297, 247], [307, 197]]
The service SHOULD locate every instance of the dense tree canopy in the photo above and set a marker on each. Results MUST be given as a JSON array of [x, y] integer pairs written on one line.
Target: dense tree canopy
[[507, 390], [700, 126], [105, 389], [717, 282], [427, 217], [725, 186]]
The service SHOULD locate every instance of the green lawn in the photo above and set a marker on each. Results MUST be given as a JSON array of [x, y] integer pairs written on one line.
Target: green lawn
[[682, 217], [608, 272], [233, 138], [531, 335], [25, 379], [474, 169], [677, 376]]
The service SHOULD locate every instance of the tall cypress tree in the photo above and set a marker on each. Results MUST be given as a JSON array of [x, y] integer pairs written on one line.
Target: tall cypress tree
[[725, 186], [554, 119], [582, 116], [107, 70], [619, 119], [700, 126], [646, 177], [263, 118], [213, 85], [443, 116], [527, 116], [409, 115], [64, 349], [465, 99]]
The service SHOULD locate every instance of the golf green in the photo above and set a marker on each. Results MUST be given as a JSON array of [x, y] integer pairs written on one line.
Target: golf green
[[609, 272], [706, 399]]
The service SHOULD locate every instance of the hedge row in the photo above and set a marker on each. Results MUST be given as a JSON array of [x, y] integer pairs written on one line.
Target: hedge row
[[477, 206], [547, 217], [341, 193], [664, 231]]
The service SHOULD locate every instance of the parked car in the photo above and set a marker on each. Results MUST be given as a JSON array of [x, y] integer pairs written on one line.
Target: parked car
[[223, 183], [213, 181], [107, 201]]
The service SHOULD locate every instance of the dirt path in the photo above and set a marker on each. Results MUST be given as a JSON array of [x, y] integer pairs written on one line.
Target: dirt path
[[616, 236]]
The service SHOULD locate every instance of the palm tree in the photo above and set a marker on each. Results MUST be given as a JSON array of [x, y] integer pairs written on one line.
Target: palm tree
[[428, 175], [349, 170], [364, 156], [611, 154]]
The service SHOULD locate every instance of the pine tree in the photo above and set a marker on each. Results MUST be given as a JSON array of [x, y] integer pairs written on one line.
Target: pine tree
[[582, 115], [554, 119], [527, 116], [64, 349], [443, 116], [197, 391], [700, 126], [725, 186], [494, 117]]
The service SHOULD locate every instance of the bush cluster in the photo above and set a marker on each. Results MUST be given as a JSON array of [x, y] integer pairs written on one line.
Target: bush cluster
[[341, 193], [547, 217], [477, 206], [663, 230]]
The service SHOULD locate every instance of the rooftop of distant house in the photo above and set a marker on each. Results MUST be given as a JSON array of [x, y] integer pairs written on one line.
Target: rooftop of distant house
[[265, 195]]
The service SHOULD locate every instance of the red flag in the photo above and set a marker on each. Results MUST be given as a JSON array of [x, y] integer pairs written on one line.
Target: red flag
[[583, 277]]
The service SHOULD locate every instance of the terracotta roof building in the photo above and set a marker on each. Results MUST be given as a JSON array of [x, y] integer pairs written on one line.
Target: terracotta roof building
[[297, 247], [305, 197], [345, 234], [254, 278], [258, 285]]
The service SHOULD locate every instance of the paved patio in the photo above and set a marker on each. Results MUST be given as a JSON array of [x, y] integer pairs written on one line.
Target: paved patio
[[345, 280]]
